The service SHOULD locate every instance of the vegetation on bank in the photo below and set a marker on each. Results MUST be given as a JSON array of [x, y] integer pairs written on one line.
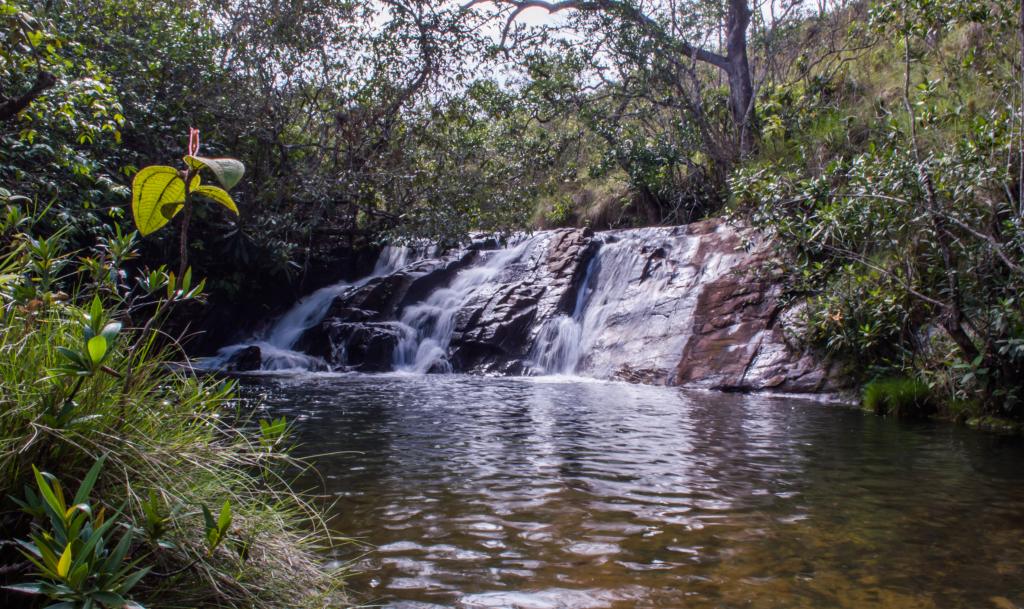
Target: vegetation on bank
[[120, 476], [895, 187], [878, 143]]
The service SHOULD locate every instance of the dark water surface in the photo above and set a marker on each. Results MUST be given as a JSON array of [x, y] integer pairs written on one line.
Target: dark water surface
[[483, 492]]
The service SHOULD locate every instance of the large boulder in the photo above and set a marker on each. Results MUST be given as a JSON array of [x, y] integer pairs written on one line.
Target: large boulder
[[495, 329], [384, 297], [365, 347], [744, 339], [245, 359]]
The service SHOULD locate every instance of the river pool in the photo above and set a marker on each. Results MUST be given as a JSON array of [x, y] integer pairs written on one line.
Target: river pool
[[563, 493]]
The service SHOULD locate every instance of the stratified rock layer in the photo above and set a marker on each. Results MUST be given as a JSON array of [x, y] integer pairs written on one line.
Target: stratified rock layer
[[743, 339]]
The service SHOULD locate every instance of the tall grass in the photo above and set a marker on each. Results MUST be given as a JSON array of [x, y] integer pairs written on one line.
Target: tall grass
[[164, 432], [900, 397]]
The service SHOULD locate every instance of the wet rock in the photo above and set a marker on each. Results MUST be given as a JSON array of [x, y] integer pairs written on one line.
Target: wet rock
[[743, 339], [384, 297], [365, 347], [379, 296], [641, 295], [639, 376], [496, 331], [246, 359], [496, 328], [431, 275]]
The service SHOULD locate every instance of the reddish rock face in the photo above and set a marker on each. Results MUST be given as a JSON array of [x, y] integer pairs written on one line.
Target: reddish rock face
[[741, 336]]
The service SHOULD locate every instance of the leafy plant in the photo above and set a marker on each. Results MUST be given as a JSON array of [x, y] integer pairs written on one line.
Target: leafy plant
[[75, 566], [98, 337], [217, 530], [156, 523], [273, 432], [160, 192]]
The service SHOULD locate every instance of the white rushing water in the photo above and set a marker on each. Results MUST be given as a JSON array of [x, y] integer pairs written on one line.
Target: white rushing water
[[632, 316], [277, 342], [559, 346], [634, 307], [428, 326]]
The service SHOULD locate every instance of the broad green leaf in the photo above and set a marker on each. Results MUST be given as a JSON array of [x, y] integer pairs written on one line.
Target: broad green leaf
[[110, 599], [208, 519], [224, 520], [48, 494], [130, 581], [72, 356], [227, 171], [110, 331], [97, 348], [65, 561], [218, 195], [78, 575], [95, 309], [82, 496], [153, 188]]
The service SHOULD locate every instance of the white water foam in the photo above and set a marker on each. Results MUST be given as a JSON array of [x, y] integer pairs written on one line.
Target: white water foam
[[277, 343], [428, 326]]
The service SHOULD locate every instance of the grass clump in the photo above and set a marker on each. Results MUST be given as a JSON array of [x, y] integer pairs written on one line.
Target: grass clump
[[901, 397], [200, 497]]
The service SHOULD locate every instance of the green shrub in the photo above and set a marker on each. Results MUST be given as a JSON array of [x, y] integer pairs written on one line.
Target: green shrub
[[86, 372], [900, 397]]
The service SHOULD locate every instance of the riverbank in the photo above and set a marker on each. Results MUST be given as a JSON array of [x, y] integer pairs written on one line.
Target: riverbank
[[122, 479]]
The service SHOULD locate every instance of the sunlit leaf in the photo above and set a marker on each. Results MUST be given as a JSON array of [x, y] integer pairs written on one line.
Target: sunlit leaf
[[227, 171], [154, 188], [97, 348], [218, 195]]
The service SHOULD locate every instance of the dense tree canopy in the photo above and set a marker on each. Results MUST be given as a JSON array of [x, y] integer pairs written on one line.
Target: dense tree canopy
[[848, 130]]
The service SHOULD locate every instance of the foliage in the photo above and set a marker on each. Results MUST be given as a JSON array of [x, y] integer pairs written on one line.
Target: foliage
[[906, 239], [85, 371], [76, 568], [160, 192], [899, 397]]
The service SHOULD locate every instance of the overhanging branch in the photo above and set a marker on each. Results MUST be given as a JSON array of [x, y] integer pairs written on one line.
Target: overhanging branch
[[10, 108]]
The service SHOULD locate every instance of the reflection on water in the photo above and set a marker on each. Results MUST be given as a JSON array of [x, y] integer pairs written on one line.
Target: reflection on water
[[482, 492]]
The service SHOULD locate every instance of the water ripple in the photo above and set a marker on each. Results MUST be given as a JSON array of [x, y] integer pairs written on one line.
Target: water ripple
[[564, 494]]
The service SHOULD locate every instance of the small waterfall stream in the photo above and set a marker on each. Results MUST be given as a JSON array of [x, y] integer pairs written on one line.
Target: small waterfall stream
[[428, 326], [620, 304], [277, 343], [559, 345]]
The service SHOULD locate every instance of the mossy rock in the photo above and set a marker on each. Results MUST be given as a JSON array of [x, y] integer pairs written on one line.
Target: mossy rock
[[996, 424]]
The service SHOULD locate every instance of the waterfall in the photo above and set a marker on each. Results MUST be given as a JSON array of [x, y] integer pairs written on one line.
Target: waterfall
[[615, 305], [428, 326], [558, 347], [276, 343], [634, 308]]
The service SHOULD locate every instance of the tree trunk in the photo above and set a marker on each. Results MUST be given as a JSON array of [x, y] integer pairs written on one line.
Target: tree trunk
[[741, 87]]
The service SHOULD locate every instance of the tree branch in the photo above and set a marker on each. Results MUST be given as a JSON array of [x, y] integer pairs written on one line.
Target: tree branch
[[10, 108], [611, 6]]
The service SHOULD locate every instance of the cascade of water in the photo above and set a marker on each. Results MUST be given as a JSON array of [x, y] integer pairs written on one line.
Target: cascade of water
[[428, 326], [276, 344], [634, 306], [557, 349]]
